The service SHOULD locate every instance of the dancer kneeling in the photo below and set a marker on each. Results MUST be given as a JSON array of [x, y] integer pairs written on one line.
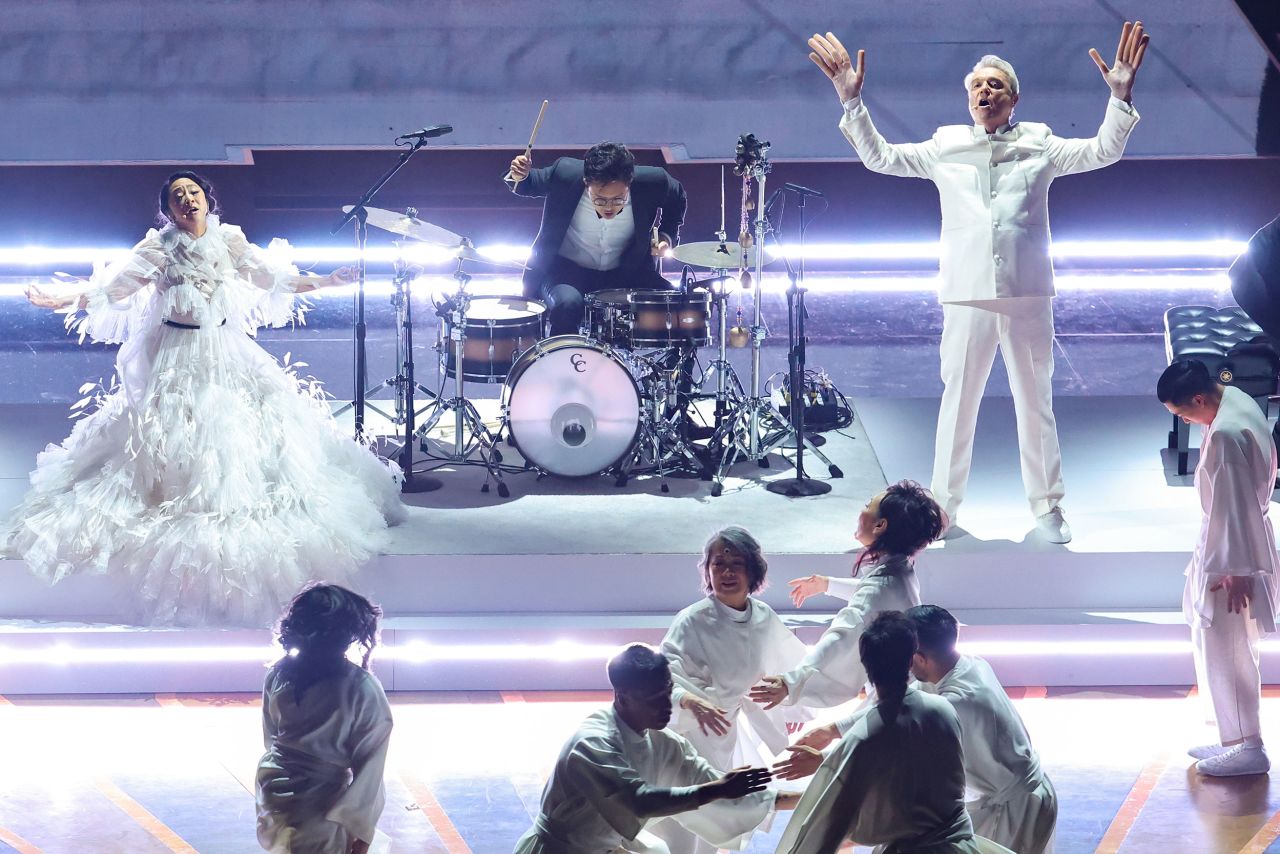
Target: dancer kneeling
[[211, 479], [1016, 804], [894, 526], [326, 723], [622, 769], [897, 777], [718, 649]]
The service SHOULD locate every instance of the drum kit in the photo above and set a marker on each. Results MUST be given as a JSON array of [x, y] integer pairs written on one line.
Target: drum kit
[[619, 399]]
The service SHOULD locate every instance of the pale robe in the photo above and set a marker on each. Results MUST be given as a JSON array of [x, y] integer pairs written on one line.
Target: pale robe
[[717, 654], [1234, 480], [319, 785], [896, 779], [832, 672], [609, 782], [1016, 804]]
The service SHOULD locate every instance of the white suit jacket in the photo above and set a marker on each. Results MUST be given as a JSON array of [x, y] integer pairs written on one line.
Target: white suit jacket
[[994, 191]]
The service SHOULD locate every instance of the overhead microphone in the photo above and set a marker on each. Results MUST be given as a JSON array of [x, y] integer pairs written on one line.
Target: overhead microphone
[[427, 132], [804, 191]]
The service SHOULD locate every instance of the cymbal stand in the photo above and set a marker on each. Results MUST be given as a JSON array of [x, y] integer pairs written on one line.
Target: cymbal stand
[[470, 435], [403, 383]]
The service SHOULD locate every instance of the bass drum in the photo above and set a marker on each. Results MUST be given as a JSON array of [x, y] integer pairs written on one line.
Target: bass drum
[[573, 407]]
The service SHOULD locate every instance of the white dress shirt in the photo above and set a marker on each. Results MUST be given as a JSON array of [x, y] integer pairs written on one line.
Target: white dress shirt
[[595, 242]]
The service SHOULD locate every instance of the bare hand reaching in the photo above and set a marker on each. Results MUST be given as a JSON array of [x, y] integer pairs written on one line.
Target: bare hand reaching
[[1129, 53], [770, 692], [828, 54], [712, 719], [801, 762], [819, 737], [741, 782], [1239, 591], [43, 299], [803, 589]]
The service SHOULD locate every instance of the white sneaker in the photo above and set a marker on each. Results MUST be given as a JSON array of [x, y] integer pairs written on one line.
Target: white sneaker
[[1206, 751], [1236, 762], [1053, 526]]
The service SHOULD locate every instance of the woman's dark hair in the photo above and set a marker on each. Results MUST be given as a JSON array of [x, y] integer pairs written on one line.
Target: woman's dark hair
[[607, 162], [914, 518], [885, 648], [1183, 380], [739, 541], [162, 212], [936, 630], [319, 626]]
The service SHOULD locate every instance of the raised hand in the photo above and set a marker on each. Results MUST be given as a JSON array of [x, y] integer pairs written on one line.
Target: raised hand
[[741, 782], [42, 299], [1120, 74], [520, 167], [828, 54], [801, 762], [807, 587], [342, 276], [712, 719], [770, 692]]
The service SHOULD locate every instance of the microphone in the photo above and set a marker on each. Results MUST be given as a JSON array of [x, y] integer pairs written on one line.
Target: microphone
[[804, 191], [427, 132]]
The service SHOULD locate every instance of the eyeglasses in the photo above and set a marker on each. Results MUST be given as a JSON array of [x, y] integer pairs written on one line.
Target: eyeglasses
[[602, 202]]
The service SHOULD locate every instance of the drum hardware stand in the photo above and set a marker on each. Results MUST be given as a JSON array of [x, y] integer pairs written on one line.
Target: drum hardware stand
[[801, 484], [739, 435], [728, 385], [469, 431], [403, 383], [662, 446], [359, 398]]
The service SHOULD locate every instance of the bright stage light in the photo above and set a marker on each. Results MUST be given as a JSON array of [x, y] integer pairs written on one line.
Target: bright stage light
[[564, 651], [1220, 250]]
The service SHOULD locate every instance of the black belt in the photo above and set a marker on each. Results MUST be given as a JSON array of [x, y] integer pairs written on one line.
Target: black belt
[[176, 324]]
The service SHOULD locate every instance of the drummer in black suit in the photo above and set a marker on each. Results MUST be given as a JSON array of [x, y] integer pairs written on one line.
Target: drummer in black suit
[[597, 227]]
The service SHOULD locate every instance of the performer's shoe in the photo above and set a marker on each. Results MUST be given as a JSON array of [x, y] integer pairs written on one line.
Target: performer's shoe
[[1236, 762], [1053, 526], [1208, 751]]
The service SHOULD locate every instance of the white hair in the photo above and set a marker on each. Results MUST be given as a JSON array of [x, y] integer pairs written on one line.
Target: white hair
[[993, 61]]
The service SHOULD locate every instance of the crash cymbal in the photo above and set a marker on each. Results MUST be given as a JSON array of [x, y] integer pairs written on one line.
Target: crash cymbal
[[715, 255], [409, 226]]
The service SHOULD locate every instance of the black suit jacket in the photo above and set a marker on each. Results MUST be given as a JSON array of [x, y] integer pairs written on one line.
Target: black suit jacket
[[653, 191]]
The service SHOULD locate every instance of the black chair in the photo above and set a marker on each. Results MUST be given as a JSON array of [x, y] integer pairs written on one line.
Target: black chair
[[1231, 346]]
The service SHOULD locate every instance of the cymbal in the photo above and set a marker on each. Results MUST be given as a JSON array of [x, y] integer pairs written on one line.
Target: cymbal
[[409, 226], [467, 252], [715, 255]]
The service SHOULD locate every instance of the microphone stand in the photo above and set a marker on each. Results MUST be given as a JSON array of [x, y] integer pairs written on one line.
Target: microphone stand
[[359, 212], [801, 484]]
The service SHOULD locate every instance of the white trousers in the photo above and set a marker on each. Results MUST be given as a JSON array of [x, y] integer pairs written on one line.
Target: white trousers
[[1226, 657], [1023, 330]]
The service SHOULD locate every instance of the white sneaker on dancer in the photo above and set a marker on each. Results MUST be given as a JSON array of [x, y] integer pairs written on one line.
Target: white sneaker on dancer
[[1236, 762], [1207, 751], [1053, 526]]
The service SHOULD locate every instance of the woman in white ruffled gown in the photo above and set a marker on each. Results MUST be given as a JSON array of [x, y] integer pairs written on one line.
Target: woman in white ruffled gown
[[210, 479]]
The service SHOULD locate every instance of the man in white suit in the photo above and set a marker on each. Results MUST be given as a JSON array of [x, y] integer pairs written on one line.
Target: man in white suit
[[997, 277]]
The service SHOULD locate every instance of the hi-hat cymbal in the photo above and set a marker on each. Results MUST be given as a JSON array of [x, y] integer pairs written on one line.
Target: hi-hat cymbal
[[715, 255], [467, 252], [409, 226]]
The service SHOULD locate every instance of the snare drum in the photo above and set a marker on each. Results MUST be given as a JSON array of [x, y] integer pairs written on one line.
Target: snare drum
[[498, 330], [608, 316], [572, 405]]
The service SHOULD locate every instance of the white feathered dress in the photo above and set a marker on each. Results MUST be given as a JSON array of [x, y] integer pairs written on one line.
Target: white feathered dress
[[210, 478]]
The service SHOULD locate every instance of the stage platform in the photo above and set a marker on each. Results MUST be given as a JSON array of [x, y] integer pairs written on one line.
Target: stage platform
[[533, 591]]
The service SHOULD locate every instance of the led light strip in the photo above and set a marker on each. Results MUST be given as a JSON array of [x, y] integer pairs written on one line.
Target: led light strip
[[1066, 250], [562, 651]]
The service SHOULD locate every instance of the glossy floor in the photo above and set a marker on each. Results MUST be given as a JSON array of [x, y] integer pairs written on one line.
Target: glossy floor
[[174, 773]]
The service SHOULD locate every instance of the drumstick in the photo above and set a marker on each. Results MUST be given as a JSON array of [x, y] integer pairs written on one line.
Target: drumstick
[[528, 149]]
